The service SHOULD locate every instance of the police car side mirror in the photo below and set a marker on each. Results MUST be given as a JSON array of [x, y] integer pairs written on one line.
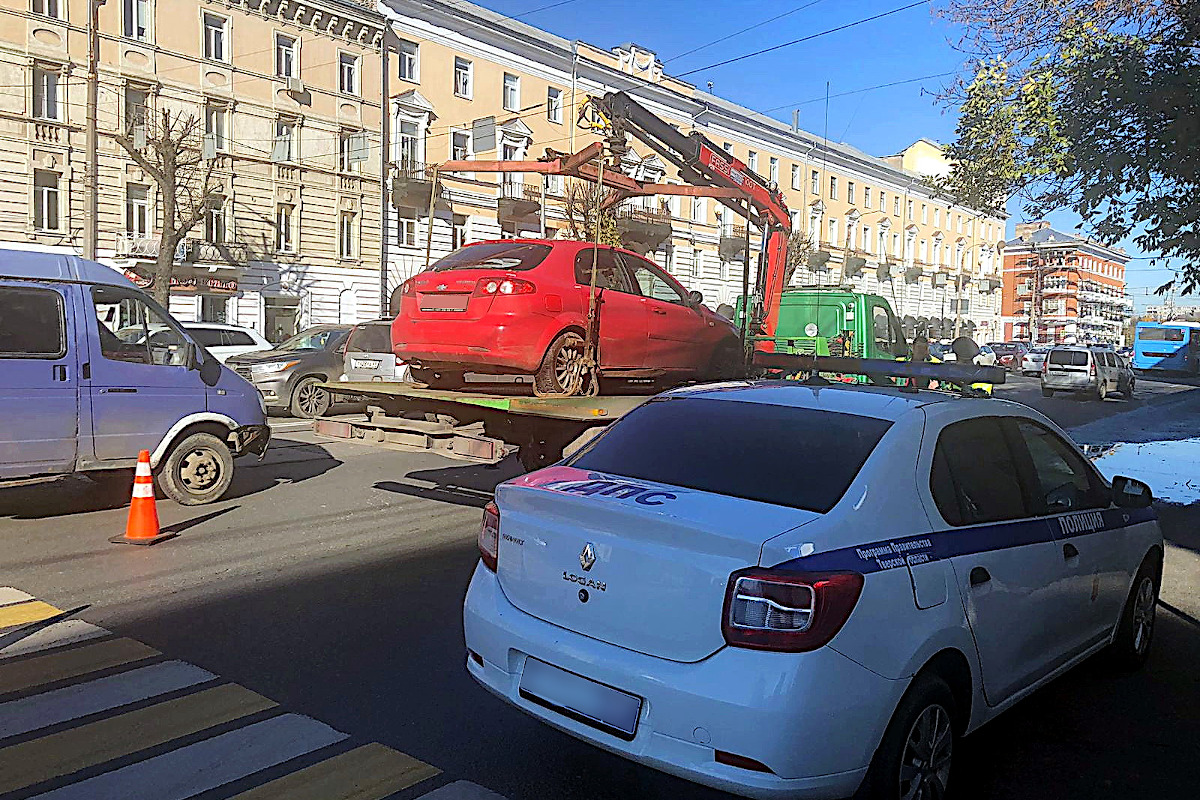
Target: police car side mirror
[[1130, 493]]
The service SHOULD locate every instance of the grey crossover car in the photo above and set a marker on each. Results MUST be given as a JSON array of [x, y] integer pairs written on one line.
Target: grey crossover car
[[289, 376]]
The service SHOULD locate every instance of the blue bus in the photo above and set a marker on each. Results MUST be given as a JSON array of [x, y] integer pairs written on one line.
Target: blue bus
[[1167, 346]]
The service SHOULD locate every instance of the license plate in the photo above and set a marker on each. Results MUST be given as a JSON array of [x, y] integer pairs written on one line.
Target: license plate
[[366, 363], [581, 698]]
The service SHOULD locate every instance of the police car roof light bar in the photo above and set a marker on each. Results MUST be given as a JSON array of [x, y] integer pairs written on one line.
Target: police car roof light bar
[[949, 373]]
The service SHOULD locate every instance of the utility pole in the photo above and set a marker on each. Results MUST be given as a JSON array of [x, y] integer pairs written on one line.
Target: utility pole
[[90, 231], [384, 173]]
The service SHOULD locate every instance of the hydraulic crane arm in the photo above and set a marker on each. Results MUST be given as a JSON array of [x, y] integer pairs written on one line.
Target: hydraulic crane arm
[[703, 164]]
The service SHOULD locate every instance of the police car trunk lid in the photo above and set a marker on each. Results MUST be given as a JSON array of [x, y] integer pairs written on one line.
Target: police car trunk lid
[[640, 565]]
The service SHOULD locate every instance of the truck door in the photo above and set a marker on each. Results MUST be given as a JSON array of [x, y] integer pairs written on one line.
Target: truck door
[[39, 383], [141, 381]]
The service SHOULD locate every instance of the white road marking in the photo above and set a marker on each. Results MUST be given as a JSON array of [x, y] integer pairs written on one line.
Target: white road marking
[[208, 764], [461, 790], [9, 595], [80, 700], [66, 632]]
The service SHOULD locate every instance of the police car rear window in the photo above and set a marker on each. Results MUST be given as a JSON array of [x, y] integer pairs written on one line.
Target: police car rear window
[[797, 457]]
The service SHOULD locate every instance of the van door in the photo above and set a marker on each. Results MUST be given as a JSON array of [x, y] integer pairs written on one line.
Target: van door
[[39, 383], [141, 381]]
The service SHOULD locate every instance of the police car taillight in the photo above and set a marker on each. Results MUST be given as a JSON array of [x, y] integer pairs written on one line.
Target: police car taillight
[[489, 536], [789, 611]]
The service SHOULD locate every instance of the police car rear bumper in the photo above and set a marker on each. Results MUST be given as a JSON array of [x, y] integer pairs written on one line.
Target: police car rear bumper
[[814, 719]]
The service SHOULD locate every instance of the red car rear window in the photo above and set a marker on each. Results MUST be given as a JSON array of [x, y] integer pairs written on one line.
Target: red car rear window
[[496, 255]]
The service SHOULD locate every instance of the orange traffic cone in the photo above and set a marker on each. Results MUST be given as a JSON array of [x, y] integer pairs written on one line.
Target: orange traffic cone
[[142, 526]]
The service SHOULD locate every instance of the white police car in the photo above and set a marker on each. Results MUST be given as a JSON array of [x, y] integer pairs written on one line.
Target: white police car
[[785, 590]]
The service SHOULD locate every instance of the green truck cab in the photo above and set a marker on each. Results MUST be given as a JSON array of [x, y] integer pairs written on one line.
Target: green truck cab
[[836, 322]]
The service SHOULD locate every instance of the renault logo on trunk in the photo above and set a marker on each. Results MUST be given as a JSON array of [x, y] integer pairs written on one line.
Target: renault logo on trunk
[[588, 557]]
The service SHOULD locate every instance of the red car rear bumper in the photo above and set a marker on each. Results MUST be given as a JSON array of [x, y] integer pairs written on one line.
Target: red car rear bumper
[[496, 343]]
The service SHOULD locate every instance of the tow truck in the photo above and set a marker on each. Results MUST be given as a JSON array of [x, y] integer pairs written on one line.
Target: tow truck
[[487, 426]]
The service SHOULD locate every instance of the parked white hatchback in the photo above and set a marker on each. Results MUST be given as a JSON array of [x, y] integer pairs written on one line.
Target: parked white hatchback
[[224, 340], [784, 590]]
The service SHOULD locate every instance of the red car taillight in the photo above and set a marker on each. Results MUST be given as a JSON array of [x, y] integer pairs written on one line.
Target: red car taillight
[[408, 288], [789, 611], [488, 286], [1046, 364], [1092, 369], [489, 536]]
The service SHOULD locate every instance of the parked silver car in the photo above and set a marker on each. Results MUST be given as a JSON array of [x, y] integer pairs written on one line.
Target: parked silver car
[[1094, 372], [368, 354]]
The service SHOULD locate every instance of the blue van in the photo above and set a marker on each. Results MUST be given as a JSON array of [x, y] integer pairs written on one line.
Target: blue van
[[92, 370]]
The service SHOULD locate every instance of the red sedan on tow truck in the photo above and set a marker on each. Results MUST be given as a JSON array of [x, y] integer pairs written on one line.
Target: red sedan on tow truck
[[520, 306]]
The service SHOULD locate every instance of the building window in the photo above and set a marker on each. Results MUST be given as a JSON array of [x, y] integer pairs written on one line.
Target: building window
[[896, 245], [285, 221], [774, 169], [136, 15], [554, 104], [45, 200], [348, 73], [937, 218], [752, 160], [923, 249], [960, 223], [136, 102], [406, 227], [512, 92], [346, 162], [833, 195], [407, 143], [462, 77], [909, 209], [832, 232], [459, 231], [883, 201], [285, 141], [727, 147], [796, 177], [554, 185], [47, 8], [214, 126], [216, 30], [137, 209], [346, 234], [214, 221], [460, 146], [895, 206], [45, 93], [924, 214], [698, 209], [866, 238], [850, 192], [285, 56], [866, 197], [409, 61], [814, 182]]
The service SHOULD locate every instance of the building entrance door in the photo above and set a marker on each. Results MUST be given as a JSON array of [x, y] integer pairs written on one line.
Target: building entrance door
[[281, 315]]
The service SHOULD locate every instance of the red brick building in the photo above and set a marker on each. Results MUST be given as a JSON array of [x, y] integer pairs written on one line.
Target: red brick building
[[1061, 287]]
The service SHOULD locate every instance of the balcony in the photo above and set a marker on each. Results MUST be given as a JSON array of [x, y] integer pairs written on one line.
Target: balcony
[[643, 230], [49, 133], [732, 247], [413, 185], [199, 251], [518, 202], [137, 245]]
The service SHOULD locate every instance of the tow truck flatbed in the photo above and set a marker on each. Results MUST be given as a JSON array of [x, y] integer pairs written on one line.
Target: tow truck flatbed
[[477, 426]]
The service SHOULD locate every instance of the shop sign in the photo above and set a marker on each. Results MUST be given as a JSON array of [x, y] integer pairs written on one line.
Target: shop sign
[[187, 282]]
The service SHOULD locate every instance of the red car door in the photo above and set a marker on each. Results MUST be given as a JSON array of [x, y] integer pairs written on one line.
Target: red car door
[[679, 337], [622, 312]]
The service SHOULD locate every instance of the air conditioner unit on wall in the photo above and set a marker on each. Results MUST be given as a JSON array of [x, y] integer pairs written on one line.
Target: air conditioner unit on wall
[[295, 85]]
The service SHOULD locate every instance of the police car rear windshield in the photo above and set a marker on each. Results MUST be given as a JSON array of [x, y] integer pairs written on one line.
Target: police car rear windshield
[[786, 456]]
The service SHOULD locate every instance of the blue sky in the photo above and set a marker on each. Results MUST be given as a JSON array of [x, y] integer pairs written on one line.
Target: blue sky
[[907, 45]]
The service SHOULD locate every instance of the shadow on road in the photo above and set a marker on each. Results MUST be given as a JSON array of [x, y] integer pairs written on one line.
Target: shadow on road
[[467, 485], [287, 461]]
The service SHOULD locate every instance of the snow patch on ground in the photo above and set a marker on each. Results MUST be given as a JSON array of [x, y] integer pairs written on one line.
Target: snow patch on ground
[[1171, 469]]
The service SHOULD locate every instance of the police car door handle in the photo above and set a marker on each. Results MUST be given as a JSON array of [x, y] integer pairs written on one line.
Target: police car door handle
[[1070, 551], [980, 576]]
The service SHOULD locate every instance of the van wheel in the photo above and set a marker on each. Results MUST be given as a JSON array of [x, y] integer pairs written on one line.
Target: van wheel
[[1101, 390], [198, 470], [561, 370], [1135, 631], [914, 757], [309, 400]]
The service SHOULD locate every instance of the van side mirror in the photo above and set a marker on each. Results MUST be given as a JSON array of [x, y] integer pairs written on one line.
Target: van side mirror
[[1130, 493]]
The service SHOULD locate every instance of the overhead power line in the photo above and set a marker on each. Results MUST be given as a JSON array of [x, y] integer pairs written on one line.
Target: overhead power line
[[822, 98], [808, 38], [743, 30]]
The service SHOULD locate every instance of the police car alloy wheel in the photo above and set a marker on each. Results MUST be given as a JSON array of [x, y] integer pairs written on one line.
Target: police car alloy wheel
[[914, 759], [1135, 633]]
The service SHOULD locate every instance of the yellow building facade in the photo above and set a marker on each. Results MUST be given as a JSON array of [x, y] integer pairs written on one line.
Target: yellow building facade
[[282, 94]]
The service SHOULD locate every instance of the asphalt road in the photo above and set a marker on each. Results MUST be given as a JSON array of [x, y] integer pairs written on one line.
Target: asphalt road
[[331, 580]]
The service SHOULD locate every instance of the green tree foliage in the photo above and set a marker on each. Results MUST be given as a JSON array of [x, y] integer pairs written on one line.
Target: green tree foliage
[[1086, 105]]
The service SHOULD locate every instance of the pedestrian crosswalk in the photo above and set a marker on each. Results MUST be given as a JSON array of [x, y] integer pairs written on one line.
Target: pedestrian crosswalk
[[86, 714]]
